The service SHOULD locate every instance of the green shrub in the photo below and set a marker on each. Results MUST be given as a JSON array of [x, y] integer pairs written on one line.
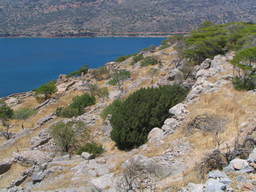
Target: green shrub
[[69, 112], [5, 111], [145, 109], [245, 60], [47, 90], [110, 109], [119, 76], [63, 135], [137, 58], [244, 83], [149, 61], [92, 148], [100, 92], [84, 69], [76, 108], [83, 101], [211, 39], [24, 113]]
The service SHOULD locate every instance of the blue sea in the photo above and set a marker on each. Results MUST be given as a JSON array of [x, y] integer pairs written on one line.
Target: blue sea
[[26, 63]]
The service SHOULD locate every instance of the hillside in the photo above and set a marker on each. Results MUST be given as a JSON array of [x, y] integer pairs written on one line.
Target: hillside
[[179, 118], [107, 17]]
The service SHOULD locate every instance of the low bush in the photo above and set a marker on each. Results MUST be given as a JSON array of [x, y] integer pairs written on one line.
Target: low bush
[[46, 90], [119, 76], [244, 83], [110, 109], [5, 111], [92, 148], [213, 161], [24, 113], [100, 92], [84, 69], [63, 135], [76, 108], [149, 61], [135, 117], [137, 58]]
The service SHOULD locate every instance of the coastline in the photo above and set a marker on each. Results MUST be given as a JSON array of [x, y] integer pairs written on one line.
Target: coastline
[[125, 35]]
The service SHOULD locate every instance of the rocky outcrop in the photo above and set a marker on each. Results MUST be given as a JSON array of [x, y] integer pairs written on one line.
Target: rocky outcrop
[[44, 120], [32, 157], [41, 139], [240, 171], [5, 166]]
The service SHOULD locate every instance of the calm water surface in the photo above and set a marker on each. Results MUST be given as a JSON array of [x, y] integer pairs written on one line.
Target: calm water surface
[[27, 63]]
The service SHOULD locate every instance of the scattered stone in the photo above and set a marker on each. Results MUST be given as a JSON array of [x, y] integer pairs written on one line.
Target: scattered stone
[[252, 156], [5, 166], [44, 120], [191, 187], [87, 156], [179, 111], [248, 187], [104, 182], [32, 157], [206, 64], [213, 185], [41, 139], [12, 101], [221, 176], [42, 104], [176, 75], [170, 125]]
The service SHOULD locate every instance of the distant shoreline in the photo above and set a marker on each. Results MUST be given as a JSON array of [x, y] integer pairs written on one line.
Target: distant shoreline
[[92, 35]]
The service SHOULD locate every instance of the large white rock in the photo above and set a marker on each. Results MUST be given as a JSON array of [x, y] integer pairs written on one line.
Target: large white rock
[[87, 156], [32, 157], [238, 164], [179, 110], [155, 135], [170, 125], [104, 181], [213, 185]]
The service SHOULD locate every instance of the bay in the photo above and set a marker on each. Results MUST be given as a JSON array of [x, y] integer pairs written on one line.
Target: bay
[[26, 63]]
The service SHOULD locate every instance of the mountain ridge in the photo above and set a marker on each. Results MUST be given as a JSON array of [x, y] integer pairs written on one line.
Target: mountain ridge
[[105, 17]]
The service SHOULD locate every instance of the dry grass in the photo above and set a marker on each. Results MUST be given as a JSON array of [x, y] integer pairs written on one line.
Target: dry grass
[[7, 178]]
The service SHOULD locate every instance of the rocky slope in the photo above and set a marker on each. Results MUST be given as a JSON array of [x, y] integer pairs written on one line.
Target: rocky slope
[[104, 17], [213, 119]]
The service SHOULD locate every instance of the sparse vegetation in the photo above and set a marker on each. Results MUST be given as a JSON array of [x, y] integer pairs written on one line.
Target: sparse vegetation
[[99, 92], [76, 108], [92, 148], [5, 114], [24, 113], [118, 77], [145, 109], [63, 135], [245, 65], [149, 61], [45, 91], [101, 73], [83, 70], [137, 58]]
